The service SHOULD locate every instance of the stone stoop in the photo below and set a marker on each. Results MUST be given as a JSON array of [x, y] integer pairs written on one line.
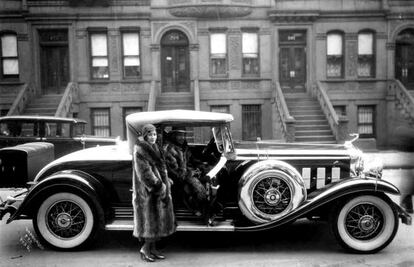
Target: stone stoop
[[171, 101], [167, 101], [311, 124], [44, 105]]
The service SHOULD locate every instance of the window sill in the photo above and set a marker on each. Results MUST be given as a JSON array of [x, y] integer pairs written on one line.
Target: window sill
[[219, 76], [103, 81], [11, 82]]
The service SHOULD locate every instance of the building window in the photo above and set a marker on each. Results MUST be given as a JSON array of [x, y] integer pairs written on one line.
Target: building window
[[126, 112], [130, 49], [100, 118], [9, 59], [251, 122], [218, 54], [366, 58], [366, 121], [3, 112], [220, 108], [250, 50], [99, 54], [340, 110], [335, 55]]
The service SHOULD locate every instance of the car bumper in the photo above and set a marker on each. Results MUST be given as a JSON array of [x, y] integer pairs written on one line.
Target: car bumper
[[11, 204]]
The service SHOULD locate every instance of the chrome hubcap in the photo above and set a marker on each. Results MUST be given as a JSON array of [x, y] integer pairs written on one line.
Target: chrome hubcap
[[272, 197], [63, 220], [366, 223]]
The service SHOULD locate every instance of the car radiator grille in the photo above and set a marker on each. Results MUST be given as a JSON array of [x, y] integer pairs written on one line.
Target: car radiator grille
[[318, 177]]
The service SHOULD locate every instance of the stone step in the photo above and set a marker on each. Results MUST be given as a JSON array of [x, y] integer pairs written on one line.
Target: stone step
[[312, 123], [39, 111], [312, 127], [301, 112], [313, 132], [309, 117], [171, 106], [315, 138]]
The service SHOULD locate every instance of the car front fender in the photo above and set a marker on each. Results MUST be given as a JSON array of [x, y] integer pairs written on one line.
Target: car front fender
[[67, 180], [326, 195]]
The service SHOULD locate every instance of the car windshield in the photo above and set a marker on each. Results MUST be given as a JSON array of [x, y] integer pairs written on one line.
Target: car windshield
[[223, 139], [78, 129]]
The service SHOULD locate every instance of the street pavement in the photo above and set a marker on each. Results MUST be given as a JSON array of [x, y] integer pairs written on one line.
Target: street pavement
[[303, 243]]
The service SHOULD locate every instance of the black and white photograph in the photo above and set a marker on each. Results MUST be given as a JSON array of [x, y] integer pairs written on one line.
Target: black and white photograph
[[230, 133]]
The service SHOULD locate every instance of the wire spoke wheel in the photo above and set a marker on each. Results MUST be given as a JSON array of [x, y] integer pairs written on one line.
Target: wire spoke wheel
[[365, 224], [66, 219], [271, 195], [364, 221]]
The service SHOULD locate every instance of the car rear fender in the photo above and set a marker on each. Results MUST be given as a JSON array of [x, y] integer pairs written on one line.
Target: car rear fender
[[326, 195], [67, 180]]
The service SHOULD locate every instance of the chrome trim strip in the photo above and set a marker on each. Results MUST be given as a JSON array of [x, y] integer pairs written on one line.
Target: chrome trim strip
[[241, 158], [223, 226]]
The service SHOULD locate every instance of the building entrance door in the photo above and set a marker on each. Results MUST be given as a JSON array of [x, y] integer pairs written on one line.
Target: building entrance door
[[292, 60], [404, 58], [175, 70], [54, 61]]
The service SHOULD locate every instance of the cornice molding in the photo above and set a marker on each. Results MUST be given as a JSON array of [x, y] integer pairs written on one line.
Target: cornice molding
[[292, 16], [211, 11]]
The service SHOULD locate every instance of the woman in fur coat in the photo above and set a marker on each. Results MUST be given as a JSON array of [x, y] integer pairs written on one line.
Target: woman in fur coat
[[151, 199]]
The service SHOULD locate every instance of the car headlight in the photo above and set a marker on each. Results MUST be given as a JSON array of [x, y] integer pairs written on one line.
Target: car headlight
[[373, 168]]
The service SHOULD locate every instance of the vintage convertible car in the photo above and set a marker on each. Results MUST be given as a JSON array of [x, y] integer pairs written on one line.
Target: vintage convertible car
[[256, 186]]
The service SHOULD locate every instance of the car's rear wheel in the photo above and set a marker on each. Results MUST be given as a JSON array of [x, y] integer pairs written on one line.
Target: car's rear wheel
[[365, 224], [66, 221]]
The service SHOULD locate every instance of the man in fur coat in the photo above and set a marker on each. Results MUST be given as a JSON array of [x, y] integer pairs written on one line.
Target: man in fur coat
[[177, 157], [152, 202]]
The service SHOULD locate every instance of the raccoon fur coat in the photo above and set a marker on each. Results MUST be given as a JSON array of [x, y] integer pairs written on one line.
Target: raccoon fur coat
[[151, 197]]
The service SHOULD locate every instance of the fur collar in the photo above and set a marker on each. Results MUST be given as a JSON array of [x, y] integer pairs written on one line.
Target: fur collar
[[149, 152]]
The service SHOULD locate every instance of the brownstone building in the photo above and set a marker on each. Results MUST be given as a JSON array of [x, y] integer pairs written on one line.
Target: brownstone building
[[295, 70]]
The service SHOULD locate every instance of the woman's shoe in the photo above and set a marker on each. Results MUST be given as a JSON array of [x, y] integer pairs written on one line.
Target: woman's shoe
[[146, 257], [158, 255]]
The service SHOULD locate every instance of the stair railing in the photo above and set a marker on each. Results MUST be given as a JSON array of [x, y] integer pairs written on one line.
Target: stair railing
[[338, 124], [403, 98], [285, 120], [152, 98], [68, 98], [25, 94]]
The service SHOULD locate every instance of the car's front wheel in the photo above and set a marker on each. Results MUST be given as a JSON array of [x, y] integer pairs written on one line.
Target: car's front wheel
[[365, 224], [66, 221]]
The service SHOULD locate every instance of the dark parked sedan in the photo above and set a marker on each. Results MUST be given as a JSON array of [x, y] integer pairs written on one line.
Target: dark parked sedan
[[66, 134]]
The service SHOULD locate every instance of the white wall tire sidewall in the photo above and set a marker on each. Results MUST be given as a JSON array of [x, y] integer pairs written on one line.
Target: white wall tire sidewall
[[379, 240], [52, 239]]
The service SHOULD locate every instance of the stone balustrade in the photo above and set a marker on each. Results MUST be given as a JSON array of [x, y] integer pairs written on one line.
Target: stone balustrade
[[69, 97], [404, 100], [284, 119], [338, 124], [25, 94]]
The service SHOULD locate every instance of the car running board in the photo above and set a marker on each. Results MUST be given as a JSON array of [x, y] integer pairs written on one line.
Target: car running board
[[184, 226]]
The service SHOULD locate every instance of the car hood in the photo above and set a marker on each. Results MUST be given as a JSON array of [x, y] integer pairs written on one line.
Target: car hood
[[261, 150], [90, 138]]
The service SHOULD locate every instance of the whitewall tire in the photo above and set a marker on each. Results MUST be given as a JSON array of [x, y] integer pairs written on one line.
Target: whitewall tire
[[365, 224], [65, 221]]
